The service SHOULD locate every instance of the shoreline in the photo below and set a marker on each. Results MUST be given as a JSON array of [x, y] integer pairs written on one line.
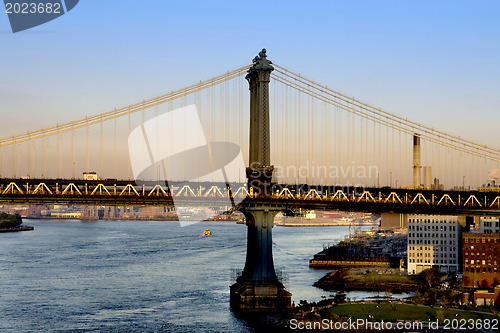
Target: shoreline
[[424, 318], [378, 279], [323, 224], [27, 228]]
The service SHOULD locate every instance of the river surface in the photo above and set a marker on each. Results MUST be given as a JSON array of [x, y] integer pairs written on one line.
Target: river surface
[[141, 276]]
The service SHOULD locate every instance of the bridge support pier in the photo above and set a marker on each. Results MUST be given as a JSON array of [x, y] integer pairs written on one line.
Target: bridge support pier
[[258, 288]]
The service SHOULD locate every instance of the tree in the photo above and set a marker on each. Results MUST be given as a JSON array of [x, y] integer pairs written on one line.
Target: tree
[[440, 316], [431, 296], [340, 297], [466, 281], [10, 220], [430, 277], [303, 303], [417, 298], [443, 301]]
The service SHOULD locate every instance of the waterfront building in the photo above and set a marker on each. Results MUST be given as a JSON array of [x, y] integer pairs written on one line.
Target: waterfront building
[[481, 259], [90, 176], [433, 241], [486, 298], [393, 220]]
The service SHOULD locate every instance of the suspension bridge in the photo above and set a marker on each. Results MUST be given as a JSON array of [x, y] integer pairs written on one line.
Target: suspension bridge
[[329, 151]]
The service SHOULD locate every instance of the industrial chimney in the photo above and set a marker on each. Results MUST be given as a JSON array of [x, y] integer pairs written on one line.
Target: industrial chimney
[[417, 180], [427, 177]]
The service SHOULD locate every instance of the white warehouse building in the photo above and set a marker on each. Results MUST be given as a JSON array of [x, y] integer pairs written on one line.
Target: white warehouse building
[[433, 241]]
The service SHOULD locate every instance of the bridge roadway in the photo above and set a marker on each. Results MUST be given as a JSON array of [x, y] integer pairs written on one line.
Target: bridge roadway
[[113, 192]]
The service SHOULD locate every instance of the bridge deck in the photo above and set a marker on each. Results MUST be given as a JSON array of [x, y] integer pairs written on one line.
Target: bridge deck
[[284, 196]]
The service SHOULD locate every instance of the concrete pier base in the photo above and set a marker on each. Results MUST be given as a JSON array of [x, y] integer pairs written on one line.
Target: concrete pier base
[[258, 288], [250, 296]]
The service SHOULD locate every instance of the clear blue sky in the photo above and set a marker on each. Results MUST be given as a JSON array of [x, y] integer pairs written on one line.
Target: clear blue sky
[[435, 62]]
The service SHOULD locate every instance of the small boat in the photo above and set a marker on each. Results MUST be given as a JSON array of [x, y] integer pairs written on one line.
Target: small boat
[[207, 232]]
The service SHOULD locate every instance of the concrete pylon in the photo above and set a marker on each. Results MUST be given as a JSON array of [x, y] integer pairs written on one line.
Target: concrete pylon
[[258, 288]]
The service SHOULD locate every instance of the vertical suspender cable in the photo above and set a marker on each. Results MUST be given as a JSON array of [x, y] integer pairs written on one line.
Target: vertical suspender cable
[[353, 147], [59, 154], [297, 138], [13, 160], [405, 164], [312, 136], [363, 160], [87, 152], [340, 123], [114, 152], [392, 156], [386, 150], [73, 156], [327, 141], [400, 157], [56, 159], [222, 113], [46, 156], [28, 153], [143, 156], [375, 156], [235, 110], [101, 164], [350, 151], [324, 141], [128, 163], [285, 122], [379, 154]]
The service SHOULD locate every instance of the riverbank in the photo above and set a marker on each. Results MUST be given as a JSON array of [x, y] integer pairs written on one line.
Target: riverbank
[[17, 229], [372, 279], [397, 312]]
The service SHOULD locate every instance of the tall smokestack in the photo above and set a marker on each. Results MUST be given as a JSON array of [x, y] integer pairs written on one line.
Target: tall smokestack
[[427, 177], [416, 161]]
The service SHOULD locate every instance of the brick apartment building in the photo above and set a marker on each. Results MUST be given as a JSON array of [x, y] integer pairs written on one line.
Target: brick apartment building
[[481, 259]]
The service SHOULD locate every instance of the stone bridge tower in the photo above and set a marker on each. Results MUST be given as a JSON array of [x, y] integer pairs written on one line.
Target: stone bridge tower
[[258, 287]]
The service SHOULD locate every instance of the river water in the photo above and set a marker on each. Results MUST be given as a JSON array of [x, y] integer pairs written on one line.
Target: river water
[[141, 276]]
